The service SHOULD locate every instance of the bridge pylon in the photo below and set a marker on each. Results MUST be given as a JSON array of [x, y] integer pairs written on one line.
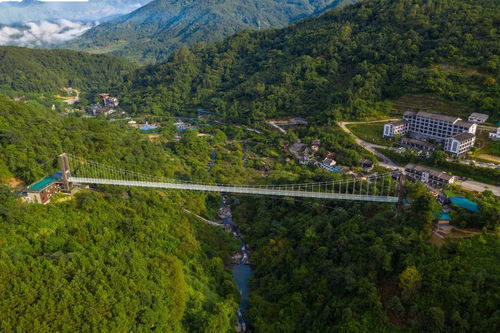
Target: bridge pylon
[[66, 171], [401, 191]]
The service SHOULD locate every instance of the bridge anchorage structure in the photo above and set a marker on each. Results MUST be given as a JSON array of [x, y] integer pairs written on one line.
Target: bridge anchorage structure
[[384, 187]]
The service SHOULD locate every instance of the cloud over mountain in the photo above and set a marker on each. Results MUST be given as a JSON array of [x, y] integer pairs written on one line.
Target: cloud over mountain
[[43, 33], [16, 12]]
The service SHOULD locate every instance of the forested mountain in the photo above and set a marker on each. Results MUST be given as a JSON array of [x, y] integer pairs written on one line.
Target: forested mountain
[[152, 32], [346, 63], [28, 70]]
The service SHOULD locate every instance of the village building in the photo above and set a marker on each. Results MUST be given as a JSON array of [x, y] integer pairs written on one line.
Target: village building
[[316, 144], [366, 164], [43, 190], [443, 219], [109, 101], [183, 126], [395, 128], [304, 160], [329, 162], [478, 118], [459, 144], [432, 177], [495, 135]]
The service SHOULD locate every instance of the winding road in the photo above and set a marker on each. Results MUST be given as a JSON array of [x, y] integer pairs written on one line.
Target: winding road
[[387, 162]]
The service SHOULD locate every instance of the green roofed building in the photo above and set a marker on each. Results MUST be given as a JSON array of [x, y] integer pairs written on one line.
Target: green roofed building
[[42, 190], [443, 218]]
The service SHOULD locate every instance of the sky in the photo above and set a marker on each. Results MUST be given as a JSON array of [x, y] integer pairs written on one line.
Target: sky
[[47, 23]]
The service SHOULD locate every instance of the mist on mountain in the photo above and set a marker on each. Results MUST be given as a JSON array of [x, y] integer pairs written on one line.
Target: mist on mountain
[[92, 10]]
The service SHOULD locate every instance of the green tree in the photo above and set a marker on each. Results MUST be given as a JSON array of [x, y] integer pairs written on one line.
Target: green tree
[[409, 281]]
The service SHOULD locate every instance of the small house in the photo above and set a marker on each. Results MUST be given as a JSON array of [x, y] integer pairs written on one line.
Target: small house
[[367, 165], [316, 144], [43, 190], [329, 162], [478, 117], [443, 219], [495, 135]]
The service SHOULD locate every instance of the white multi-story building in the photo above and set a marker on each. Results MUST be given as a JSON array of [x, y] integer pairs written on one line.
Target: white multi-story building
[[495, 135], [459, 144], [399, 127], [423, 125], [435, 126], [478, 117]]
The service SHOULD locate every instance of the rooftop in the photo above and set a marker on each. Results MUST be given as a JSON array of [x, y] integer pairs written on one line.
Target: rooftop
[[463, 136], [464, 123], [410, 113], [148, 127], [437, 116], [436, 173], [480, 116], [43, 183], [465, 203], [443, 216], [415, 141], [398, 122]]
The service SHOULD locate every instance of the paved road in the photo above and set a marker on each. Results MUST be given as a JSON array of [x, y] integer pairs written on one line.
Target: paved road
[[469, 185], [387, 163], [472, 185]]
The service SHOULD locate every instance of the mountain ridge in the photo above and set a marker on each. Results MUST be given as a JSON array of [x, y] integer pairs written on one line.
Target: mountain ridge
[[346, 63], [153, 31]]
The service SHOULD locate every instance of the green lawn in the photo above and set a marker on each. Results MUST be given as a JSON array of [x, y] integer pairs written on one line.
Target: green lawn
[[370, 132], [486, 145]]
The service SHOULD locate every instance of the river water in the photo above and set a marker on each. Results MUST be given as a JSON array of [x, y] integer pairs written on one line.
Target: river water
[[242, 271]]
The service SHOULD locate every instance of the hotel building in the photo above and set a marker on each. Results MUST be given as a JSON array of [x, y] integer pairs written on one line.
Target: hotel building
[[424, 125]]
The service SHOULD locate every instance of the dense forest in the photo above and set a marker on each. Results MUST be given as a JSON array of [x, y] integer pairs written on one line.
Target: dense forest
[[347, 63], [152, 32], [353, 267], [24, 70], [114, 259], [104, 261]]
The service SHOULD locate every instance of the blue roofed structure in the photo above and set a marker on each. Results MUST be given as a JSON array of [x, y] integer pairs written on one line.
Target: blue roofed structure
[[465, 203]]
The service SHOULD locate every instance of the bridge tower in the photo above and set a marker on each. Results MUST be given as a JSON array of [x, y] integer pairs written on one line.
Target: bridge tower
[[66, 172], [401, 192]]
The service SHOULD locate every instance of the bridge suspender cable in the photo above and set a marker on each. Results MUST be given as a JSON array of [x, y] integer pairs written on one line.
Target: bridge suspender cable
[[377, 187]]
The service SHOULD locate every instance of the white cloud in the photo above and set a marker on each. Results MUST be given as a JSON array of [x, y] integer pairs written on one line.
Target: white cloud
[[47, 0], [43, 33]]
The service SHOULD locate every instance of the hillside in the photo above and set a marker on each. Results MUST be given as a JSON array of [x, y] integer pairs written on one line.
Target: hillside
[[39, 71], [348, 63], [107, 260], [152, 32]]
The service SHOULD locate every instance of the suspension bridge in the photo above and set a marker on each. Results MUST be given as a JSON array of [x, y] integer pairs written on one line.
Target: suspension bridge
[[376, 188]]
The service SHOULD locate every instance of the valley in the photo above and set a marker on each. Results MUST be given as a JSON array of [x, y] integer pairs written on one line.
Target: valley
[[249, 183]]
